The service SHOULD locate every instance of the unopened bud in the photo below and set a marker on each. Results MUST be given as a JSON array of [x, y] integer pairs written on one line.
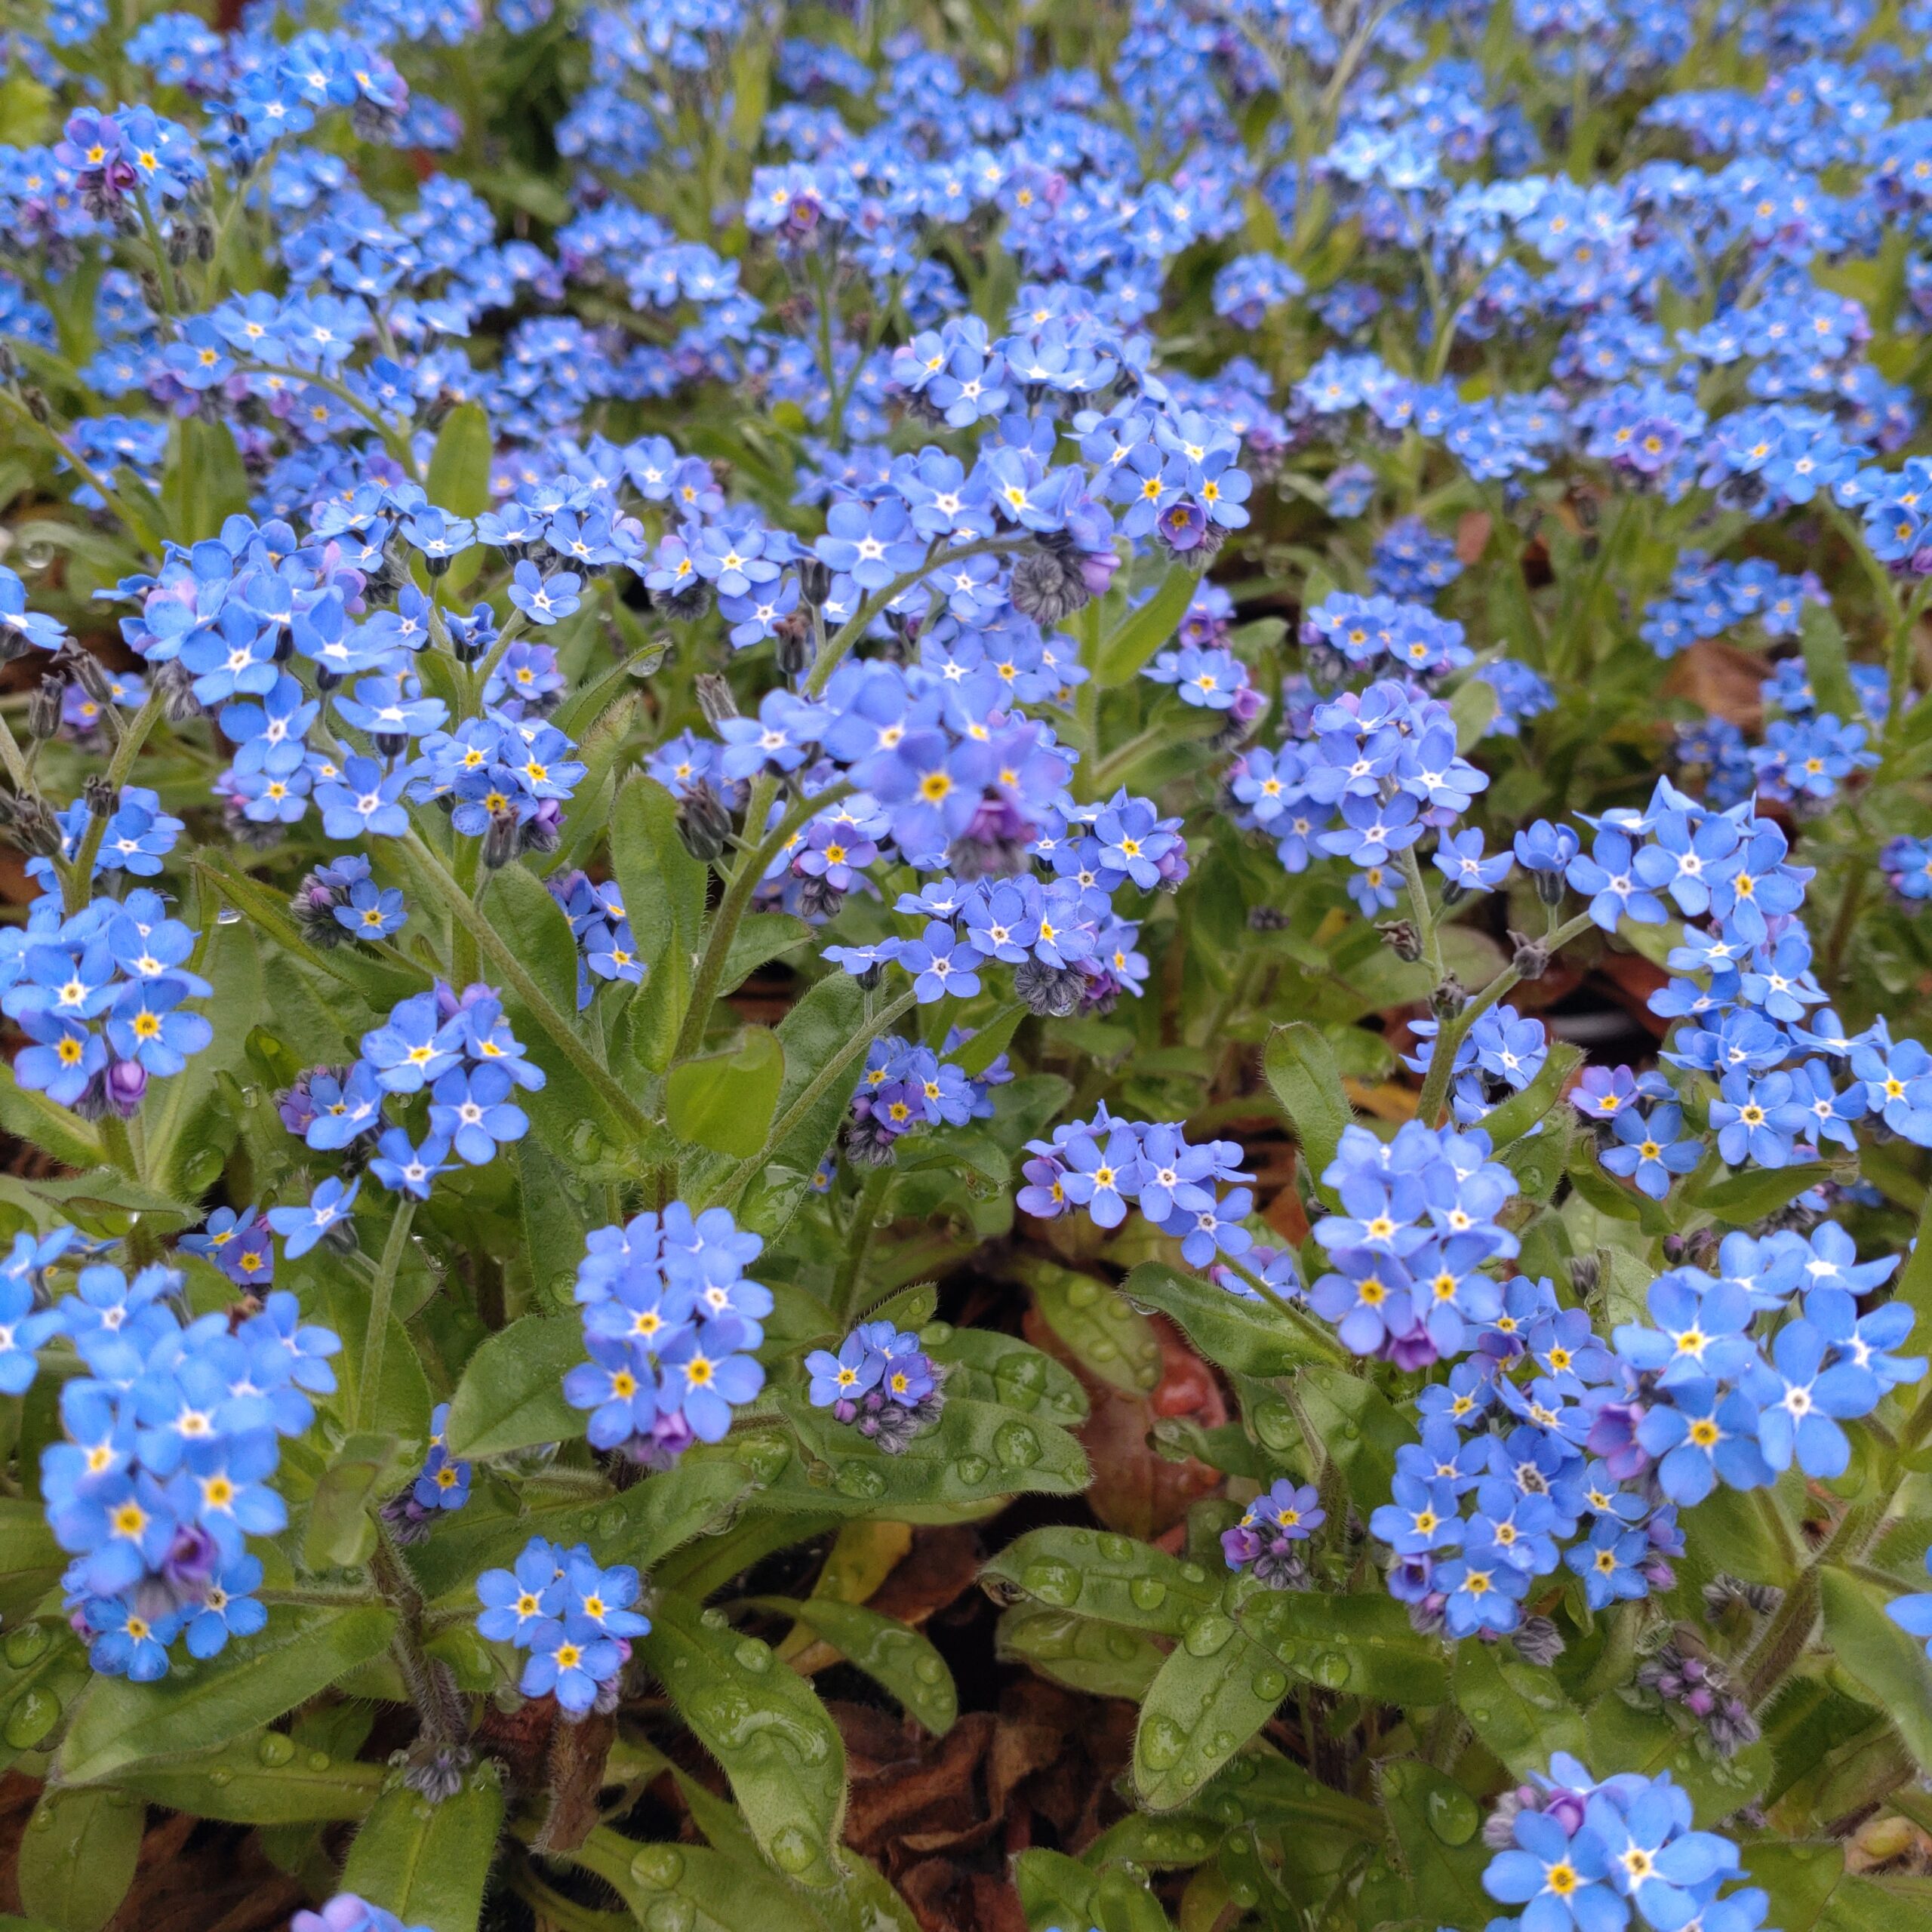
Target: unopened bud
[[500, 842], [99, 796], [714, 698], [44, 706], [87, 670], [704, 823], [32, 826], [1449, 998], [1531, 957], [1402, 939]]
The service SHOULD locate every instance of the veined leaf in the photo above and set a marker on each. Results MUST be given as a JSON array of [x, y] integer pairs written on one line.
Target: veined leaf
[[765, 1727], [900, 1659], [78, 1855], [119, 1725], [1245, 1336], [511, 1395], [1301, 1071], [1133, 642], [1095, 1573], [263, 1780], [428, 1861], [1889, 1666]]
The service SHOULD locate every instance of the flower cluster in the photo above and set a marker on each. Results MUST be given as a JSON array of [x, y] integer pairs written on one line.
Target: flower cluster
[[670, 1322], [1105, 1164], [99, 995], [880, 1383], [455, 1049], [1592, 1855], [575, 1619], [906, 1085], [1263, 1542], [173, 1429]]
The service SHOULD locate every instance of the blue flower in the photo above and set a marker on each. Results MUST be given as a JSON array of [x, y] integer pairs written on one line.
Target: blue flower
[[1800, 1401], [301, 1228], [844, 1377]]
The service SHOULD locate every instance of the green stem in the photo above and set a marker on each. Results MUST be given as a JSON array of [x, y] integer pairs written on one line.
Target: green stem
[[1449, 1036], [1316, 1339], [382, 1297], [741, 1176], [858, 1239], [393, 440], [1425, 929], [1620, 1652], [849, 633], [752, 861], [563, 1034], [77, 883]]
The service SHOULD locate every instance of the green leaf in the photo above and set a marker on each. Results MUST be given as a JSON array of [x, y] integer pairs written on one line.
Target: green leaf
[[1096, 1573], [78, 1855], [203, 482], [765, 1727], [990, 1367], [264, 1780], [989, 1039], [726, 1101], [1054, 1889], [1246, 1337], [1742, 1198], [640, 1526], [1519, 1711], [180, 1114], [900, 1659], [1539, 1161], [33, 1117], [1302, 1073], [1210, 1696], [341, 1532], [459, 477], [511, 1395], [428, 1863], [1437, 1829], [1914, 1286], [978, 1452], [1098, 1659], [1364, 1645], [761, 936], [1110, 1339], [1516, 1115], [815, 1030], [1889, 1666], [1472, 709], [664, 889], [696, 1889], [521, 908], [1359, 1429], [1628, 1731], [1133, 641], [118, 1724], [1826, 669]]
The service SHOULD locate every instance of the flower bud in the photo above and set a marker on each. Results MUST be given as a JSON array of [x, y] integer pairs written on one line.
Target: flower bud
[[44, 706], [714, 698]]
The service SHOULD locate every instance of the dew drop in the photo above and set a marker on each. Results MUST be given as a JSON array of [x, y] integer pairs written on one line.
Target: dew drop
[[1056, 1583], [929, 1669], [1083, 1293], [752, 1656], [972, 1470], [1270, 1686], [318, 1761], [1016, 1445], [793, 1851], [221, 1776], [1116, 1549], [671, 1915], [860, 1480], [1160, 1744], [1148, 1592], [1207, 1634], [276, 1748], [34, 1715], [659, 1866], [25, 1643], [1193, 1573], [1452, 1814], [1330, 1668]]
